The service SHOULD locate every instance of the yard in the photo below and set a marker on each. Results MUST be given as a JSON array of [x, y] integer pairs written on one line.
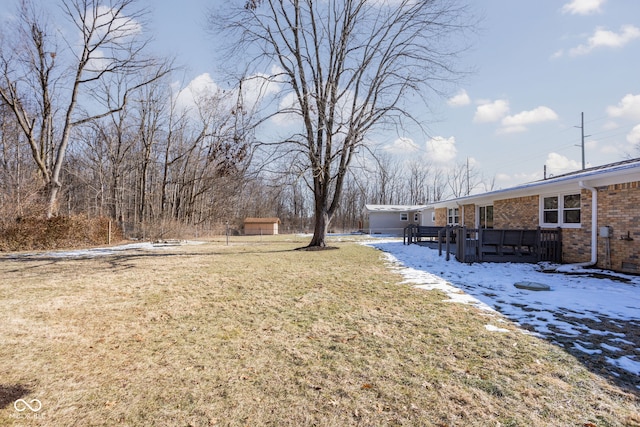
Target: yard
[[255, 333]]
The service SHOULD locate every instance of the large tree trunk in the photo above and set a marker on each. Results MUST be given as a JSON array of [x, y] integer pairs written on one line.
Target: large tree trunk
[[52, 199], [321, 227]]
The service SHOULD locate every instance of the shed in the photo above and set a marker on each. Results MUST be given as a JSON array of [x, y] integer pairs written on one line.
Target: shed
[[260, 226]]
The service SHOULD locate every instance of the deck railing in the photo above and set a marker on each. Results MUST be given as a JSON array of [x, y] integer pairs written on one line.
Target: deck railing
[[508, 245], [414, 233], [491, 245]]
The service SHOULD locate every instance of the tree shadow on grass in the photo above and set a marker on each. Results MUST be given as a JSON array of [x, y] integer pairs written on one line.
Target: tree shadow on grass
[[9, 393], [124, 260]]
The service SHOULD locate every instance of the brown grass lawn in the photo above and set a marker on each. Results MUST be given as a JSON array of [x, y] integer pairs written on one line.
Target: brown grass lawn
[[256, 334]]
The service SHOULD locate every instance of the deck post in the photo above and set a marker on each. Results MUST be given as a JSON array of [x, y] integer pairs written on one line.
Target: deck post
[[538, 244], [447, 243], [559, 246], [461, 242]]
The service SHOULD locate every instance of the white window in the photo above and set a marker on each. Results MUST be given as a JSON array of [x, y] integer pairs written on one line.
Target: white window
[[485, 216], [404, 216], [453, 216], [416, 217], [560, 211]]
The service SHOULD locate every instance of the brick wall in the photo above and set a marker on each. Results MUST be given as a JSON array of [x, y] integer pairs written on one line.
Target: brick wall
[[441, 217], [521, 212], [469, 219], [619, 208], [576, 242], [524, 212]]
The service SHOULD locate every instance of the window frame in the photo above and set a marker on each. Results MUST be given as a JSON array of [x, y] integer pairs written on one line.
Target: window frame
[[561, 210], [486, 210], [453, 214], [404, 216]]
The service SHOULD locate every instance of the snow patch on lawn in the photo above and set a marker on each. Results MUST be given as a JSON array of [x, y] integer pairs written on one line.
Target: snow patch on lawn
[[603, 311]]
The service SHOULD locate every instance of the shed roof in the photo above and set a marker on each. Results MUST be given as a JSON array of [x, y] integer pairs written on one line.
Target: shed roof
[[262, 220]]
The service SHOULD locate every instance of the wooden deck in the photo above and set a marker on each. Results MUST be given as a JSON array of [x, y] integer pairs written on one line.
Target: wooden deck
[[509, 245], [491, 245], [418, 233]]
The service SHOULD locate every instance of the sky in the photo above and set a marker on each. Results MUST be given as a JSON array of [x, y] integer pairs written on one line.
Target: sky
[[593, 318], [538, 66]]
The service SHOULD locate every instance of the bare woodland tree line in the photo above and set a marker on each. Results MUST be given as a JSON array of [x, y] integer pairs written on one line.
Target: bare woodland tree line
[[95, 128]]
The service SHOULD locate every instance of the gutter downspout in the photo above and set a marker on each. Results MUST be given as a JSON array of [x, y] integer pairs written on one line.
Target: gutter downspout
[[594, 225]]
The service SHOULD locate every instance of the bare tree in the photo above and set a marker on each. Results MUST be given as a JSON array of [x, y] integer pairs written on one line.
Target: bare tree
[[346, 66], [49, 83], [417, 179], [388, 180], [462, 179], [438, 186]]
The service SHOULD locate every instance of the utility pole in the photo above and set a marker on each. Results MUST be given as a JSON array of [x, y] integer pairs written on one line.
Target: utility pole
[[583, 137], [468, 184]]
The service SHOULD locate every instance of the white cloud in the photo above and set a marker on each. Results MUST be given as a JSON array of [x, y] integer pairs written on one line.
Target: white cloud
[[503, 177], [97, 61], [606, 38], [557, 54], [558, 164], [287, 111], [591, 145], [491, 111], [460, 99], [402, 146], [610, 125], [519, 122], [199, 88], [583, 7], [441, 150], [106, 27], [256, 88], [112, 21], [612, 150], [537, 115], [634, 136], [628, 107]]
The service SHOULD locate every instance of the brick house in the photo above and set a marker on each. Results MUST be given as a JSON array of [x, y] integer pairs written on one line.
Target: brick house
[[598, 210]]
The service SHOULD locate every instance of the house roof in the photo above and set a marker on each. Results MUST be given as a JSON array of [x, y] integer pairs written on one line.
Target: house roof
[[395, 208], [262, 220], [613, 173]]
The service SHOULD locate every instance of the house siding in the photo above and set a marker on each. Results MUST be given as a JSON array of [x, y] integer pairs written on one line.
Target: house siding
[[388, 222]]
